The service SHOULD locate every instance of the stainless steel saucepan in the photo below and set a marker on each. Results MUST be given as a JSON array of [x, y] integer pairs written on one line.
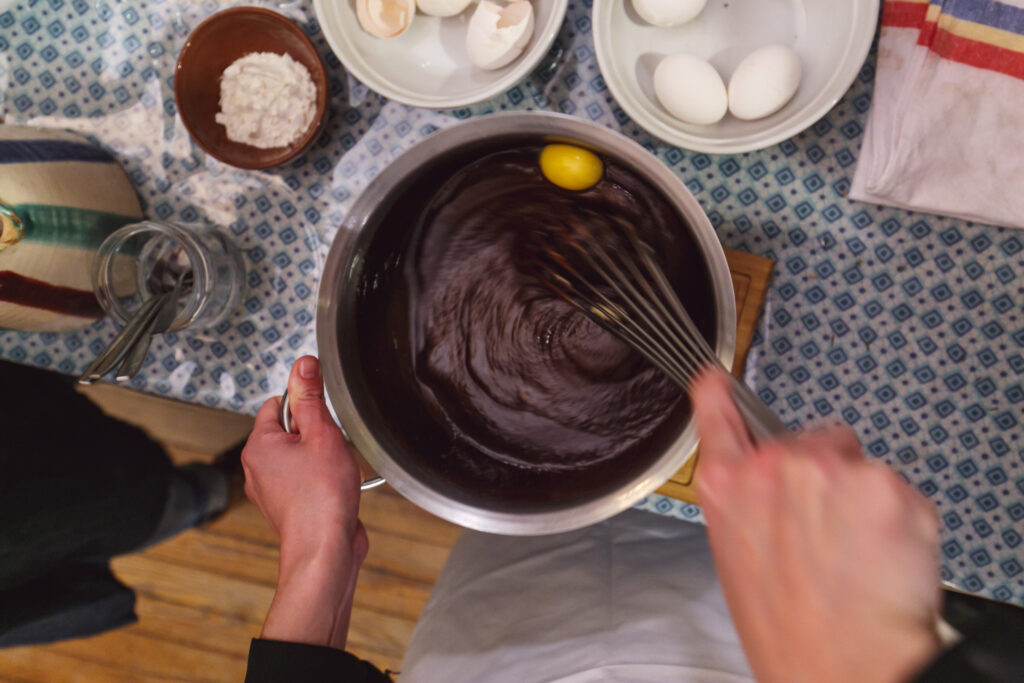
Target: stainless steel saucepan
[[351, 394]]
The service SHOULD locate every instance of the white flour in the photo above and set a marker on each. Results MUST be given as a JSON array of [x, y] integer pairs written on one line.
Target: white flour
[[266, 100]]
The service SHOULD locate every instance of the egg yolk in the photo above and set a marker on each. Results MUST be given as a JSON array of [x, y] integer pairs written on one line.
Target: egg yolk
[[570, 167]]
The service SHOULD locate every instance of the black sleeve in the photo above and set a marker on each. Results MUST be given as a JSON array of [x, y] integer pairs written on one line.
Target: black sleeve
[[992, 647], [274, 661]]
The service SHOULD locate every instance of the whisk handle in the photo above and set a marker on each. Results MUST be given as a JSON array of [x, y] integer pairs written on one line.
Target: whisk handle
[[762, 423]]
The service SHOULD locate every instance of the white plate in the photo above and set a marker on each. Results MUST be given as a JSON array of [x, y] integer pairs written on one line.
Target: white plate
[[832, 38], [427, 66]]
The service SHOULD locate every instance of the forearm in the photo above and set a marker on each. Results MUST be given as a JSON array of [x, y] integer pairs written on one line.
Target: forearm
[[313, 600]]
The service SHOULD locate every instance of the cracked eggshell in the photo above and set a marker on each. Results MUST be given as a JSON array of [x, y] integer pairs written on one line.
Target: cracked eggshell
[[442, 8], [764, 82], [668, 12], [11, 231], [690, 89], [385, 18], [497, 33]]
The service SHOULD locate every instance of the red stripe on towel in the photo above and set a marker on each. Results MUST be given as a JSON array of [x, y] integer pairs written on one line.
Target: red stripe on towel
[[904, 14], [26, 291], [927, 35], [978, 54]]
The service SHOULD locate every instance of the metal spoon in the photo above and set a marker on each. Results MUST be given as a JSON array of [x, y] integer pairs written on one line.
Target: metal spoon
[[136, 356], [118, 348], [168, 311]]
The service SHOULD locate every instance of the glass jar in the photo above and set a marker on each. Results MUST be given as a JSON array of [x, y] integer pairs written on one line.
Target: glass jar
[[145, 259]]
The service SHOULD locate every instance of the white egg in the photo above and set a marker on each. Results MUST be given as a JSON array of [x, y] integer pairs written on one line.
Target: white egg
[[690, 89], [385, 18], [668, 12], [442, 8], [764, 81], [498, 33]]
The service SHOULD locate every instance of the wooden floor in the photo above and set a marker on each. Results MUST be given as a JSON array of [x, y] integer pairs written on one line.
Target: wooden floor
[[203, 594]]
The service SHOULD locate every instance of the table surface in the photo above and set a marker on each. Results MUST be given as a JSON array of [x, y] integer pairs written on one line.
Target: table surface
[[906, 326]]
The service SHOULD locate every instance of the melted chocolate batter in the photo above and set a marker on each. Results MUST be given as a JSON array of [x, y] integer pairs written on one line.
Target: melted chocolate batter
[[492, 382]]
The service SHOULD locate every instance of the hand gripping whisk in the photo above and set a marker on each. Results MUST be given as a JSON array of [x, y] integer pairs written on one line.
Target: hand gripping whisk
[[625, 291]]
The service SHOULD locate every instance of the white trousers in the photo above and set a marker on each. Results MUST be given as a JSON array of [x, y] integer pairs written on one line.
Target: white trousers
[[634, 598]]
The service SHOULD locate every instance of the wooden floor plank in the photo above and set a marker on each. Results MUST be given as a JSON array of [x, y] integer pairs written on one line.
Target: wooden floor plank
[[379, 632], [381, 510], [246, 600], [244, 520], [195, 627], [208, 630], [406, 558], [385, 510], [376, 590], [194, 587], [226, 555], [402, 556], [153, 657], [181, 455], [44, 664]]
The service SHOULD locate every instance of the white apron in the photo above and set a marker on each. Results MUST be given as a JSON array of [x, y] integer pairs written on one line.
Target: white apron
[[635, 598]]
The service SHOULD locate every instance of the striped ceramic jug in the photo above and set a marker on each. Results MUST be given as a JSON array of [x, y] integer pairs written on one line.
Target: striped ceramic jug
[[60, 196]]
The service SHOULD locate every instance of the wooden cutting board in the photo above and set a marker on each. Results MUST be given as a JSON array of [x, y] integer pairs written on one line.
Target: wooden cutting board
[[750, 277]]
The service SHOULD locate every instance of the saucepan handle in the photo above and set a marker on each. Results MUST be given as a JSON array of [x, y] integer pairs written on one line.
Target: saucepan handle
[[286, 424]]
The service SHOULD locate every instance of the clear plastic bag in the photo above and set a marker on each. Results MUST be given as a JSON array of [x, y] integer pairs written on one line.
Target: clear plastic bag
[[907, 327], [105, 70]]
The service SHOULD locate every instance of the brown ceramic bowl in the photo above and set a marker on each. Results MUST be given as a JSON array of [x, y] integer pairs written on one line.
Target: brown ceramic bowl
[[212, 47]]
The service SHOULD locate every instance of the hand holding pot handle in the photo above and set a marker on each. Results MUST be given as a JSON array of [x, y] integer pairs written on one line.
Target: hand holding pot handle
[[286, 424], [306, 486]]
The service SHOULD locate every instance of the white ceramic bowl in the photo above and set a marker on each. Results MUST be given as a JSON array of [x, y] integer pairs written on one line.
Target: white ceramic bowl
[[832, 38], [427, 66]]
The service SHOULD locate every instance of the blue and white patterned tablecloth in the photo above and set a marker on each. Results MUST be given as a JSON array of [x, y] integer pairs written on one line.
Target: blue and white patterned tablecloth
[[909, 327]]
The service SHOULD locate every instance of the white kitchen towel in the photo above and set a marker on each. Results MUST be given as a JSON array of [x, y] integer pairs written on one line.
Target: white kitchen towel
[[945, 133]]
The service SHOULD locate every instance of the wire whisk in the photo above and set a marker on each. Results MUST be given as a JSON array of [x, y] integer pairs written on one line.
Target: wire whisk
[[600, 265]]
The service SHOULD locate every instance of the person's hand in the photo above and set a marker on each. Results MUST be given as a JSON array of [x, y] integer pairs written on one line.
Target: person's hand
[[307, 487], [828, 562]]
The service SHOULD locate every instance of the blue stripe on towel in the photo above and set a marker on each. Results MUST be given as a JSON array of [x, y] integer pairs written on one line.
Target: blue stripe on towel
[[22, 151], [989, 13]]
